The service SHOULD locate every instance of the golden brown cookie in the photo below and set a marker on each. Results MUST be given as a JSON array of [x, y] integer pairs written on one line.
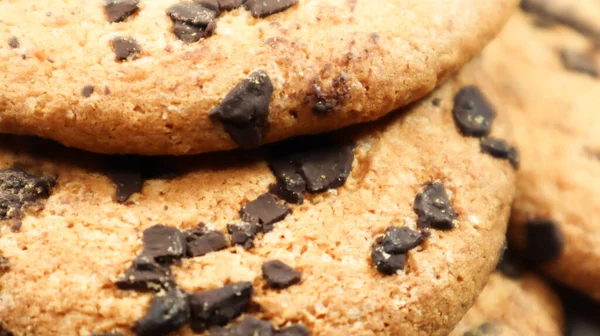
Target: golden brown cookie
[[548, 78], [184, 77], [513, 307], [385, 229]]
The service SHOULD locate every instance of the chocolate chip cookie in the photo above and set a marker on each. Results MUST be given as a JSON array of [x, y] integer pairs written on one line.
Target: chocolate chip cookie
[[192, 76], [550, 86], [388, 228], [514, 307]]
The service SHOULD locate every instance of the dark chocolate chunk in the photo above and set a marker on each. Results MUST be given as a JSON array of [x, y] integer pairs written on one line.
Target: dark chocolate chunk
[[230, 4], [290, 184], [188, 33], [509, 263], [217, 307], [498, 148], [400, 239], [208, 242], [87, 91], [13, 42], [544, 241], [212, 5], [19, 190], [128, 182], [245, 109], [579, 62], [313, 163], [125, 48], [279, 275], [472, 112], [191, 13], [433, 208], [4, 332], [168, 312], [164, 243], [145, 274], [293, 330], [4, 264], [327, 166], [264, 8], [249, 326], [486, 329], [128, 173], [514, 158], [387, 263], [243, 234], [264, 211], [119, 10]]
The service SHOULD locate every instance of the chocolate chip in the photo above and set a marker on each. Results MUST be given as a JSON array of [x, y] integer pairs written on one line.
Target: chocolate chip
[[313, 163], [264, 211], [4, 332], [192, 13], [579, 62], [87, 91], [145, 274], [387, 263], [249, 326], [119, 10], [212, 5], [327, 166], [509, 263], [127, 183], [293, 330], [264, 8], [290, 184], [400, 239], [208, 242], [472, 112], [164, 243], [125, 48], [243, 234], [230, 4], [498, 148], [13, 42], [128, 173], [4, 264], [514, 158], [217, 307], [279, 275], [544, 241], [19, 190], [188, 33], [245, 109], [168, 312], [486, 329], [433, 208]]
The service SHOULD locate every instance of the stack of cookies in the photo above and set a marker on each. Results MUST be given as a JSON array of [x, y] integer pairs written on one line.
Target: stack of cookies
[[296, 167]]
